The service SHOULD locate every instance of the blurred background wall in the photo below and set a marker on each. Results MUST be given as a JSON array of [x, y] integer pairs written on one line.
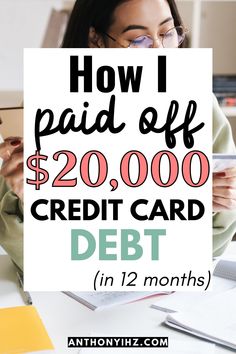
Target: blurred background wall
[[22, 25], [215, 27]]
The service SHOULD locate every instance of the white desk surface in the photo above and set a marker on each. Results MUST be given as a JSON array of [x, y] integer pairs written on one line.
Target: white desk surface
[[63, 316]]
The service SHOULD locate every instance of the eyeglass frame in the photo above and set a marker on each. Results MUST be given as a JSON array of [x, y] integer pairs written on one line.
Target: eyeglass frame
[[185, 30]]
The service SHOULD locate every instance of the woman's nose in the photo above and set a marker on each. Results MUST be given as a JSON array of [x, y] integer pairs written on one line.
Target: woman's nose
[[157, 43]]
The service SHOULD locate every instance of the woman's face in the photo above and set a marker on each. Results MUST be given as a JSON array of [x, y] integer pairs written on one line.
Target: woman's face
[[135, 18]]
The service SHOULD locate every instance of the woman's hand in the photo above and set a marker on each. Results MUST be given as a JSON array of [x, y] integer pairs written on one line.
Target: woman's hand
[[11, 151], [224, 190]]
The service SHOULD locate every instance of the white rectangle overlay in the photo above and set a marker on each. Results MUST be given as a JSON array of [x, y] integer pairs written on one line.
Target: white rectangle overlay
[[144, 237]]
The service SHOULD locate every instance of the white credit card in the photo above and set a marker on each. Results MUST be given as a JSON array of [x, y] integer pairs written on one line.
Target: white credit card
[[223, 161]]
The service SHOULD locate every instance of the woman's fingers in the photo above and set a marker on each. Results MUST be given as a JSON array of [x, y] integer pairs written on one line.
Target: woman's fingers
[[11, 151], [227, 173], [218, 207], [230, 172], [224, 192], [227, 204], [9, 146], [227, 182], [12, 163]]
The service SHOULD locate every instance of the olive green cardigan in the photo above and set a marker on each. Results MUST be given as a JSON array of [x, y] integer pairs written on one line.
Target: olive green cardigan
[[224, 223], [11, 224]]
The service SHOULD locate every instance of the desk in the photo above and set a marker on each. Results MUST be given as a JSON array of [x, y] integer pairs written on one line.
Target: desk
[[65, 317]]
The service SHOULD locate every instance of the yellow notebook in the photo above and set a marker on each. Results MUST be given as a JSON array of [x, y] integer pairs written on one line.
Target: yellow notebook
[[22, 331]]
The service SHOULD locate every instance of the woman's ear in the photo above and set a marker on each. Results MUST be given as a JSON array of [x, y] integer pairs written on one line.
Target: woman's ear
[[95, 40]]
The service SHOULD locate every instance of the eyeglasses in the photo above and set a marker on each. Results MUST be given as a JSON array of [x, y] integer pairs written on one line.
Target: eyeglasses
[[173, 38]]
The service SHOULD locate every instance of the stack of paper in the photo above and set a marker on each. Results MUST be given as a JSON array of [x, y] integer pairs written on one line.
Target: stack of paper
[[214, 319], [105, 299], [226, 269], [224, 278], [175, 347]]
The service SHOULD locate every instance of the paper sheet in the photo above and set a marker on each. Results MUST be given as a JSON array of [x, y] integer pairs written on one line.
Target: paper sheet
[[175, 347], [214, 319], [104, 299], [22, 331], [224, 279]]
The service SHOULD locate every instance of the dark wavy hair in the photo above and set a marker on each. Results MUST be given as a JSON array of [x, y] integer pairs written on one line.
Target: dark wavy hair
[[98, 14]]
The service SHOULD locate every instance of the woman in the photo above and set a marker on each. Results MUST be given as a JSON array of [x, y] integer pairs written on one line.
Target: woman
[[136, 24], [156, 23]]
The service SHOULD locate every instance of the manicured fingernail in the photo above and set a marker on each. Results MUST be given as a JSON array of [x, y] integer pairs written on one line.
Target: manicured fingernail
[[15, 142], [220, 174]]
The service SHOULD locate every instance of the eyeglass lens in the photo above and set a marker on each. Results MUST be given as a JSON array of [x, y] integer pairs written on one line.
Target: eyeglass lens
[[172, 39]]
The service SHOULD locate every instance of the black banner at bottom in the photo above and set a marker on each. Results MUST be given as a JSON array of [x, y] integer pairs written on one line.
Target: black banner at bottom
[[117, 342]]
